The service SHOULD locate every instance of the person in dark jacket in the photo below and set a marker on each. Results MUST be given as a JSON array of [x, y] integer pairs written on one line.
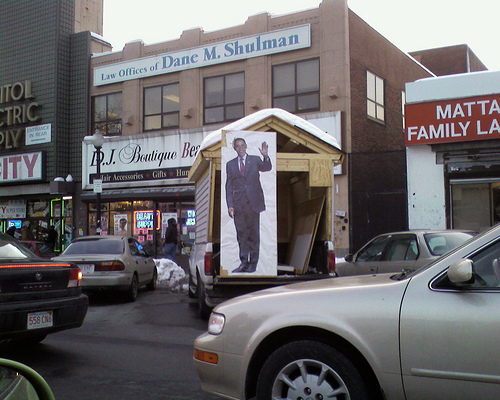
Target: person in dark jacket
[[11, 231], [51, 237], [170, 239]]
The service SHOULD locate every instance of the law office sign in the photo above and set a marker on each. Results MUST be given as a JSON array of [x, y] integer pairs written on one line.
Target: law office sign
[[294, 38], [457, 120]]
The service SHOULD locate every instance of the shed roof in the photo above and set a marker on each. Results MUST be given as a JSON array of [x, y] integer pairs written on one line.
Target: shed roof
[[299, 142], [253, 119]]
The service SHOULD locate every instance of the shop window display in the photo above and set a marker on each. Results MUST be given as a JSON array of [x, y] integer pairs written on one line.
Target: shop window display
[[45, 221], [146, 221]]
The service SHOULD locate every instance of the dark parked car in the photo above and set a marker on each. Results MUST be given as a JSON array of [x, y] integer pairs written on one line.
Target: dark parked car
[[37, 297], [397, 251]]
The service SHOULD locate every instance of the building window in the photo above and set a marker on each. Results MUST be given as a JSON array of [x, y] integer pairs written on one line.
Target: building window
[[107, 114], [161, 107], [224, 98], [296, 86], [375, 96]]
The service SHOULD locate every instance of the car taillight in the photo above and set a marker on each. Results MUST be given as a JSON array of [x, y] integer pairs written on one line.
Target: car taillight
[[110, 266], [331, 261], [75, 276], [208, 261], [34, 265]]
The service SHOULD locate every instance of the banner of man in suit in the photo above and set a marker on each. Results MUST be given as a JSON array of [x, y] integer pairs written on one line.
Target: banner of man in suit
[[248, 203]]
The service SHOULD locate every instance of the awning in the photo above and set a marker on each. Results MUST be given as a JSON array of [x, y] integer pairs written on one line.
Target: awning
[[164, 193]]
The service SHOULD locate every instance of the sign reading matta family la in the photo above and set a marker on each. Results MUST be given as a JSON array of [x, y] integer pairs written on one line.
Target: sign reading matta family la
[[457, 120], [297, 37]]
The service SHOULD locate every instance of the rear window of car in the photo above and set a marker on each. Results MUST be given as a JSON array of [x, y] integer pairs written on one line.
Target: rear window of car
[[442, 242], [10, 250], [95, 246]]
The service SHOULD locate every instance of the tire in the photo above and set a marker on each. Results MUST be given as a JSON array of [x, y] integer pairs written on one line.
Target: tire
[[132, 291], [203, 309], [310, 370], [152, 285], [31, 340], [192, 289]]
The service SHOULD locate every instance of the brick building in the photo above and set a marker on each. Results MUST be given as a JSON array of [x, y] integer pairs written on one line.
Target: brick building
[[60, 83], [44, 86], [324, 64], [449, 60]]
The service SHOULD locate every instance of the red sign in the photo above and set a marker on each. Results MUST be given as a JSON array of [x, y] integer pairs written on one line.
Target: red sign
[[448, 121]]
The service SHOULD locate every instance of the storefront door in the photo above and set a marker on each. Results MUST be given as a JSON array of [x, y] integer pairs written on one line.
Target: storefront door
[[475, 205]]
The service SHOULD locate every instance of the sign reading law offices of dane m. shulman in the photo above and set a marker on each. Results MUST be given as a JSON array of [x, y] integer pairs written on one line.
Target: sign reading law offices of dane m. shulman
[[457, 120], [294, 38]]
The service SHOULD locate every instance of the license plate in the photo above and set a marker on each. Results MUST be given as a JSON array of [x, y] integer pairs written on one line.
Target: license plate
[[42, 319], [87, 268]]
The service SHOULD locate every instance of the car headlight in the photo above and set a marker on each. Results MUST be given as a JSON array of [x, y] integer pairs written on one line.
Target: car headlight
[[216, 323]]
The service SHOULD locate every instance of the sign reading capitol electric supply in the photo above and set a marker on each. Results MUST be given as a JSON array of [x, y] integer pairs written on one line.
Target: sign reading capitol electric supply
[[282, 40]]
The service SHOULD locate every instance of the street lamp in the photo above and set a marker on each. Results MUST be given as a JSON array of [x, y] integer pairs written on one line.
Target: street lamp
[[98, 140]]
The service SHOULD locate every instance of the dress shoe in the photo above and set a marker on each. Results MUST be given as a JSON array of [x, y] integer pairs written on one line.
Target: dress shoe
[[241, 268], [251, 267]]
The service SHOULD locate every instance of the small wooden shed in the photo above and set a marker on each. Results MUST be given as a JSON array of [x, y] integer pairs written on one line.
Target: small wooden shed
[[306, 156]]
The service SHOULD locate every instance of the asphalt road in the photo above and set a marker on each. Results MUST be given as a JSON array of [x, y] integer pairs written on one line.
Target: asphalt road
[[123, 351]]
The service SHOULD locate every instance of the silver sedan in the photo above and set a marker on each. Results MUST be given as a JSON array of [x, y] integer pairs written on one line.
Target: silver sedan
[[112, 262], [430, 334], [397, 251]]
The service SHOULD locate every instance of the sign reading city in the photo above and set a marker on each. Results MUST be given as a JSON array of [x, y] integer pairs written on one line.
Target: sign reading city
[[297, 37], [21, 167], [457, 120]]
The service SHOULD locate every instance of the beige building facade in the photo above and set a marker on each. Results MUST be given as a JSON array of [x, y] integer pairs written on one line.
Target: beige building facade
[[155, 103]]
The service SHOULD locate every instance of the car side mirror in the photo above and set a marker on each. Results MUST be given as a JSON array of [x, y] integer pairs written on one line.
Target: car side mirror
[[461, 271], [348, 258], [19, 381]]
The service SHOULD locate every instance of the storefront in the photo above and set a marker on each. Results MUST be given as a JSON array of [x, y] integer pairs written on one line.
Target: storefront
[[141, 184], [28, 202], [44, 85], [325, 65], [33, 218], [453, 148]]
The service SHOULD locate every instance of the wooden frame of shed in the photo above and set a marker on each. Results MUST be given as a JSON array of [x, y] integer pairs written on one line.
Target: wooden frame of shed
[[304, 174]]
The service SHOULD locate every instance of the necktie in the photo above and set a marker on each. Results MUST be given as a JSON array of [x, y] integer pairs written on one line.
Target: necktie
[[242, 167]]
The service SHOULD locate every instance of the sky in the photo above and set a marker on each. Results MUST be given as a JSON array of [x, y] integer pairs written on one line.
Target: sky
[[408, 24]]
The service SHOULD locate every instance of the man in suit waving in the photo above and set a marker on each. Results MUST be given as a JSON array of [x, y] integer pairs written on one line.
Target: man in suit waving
[[245, 200]]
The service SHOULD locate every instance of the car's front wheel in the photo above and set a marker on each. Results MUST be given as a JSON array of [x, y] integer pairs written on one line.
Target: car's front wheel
[[192, 289], [310, 370]]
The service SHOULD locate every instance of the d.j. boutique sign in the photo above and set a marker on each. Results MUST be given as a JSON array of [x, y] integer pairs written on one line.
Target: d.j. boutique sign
[[133, 161]]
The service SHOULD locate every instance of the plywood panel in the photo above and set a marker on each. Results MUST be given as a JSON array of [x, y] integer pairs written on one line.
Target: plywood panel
[[304, 233]]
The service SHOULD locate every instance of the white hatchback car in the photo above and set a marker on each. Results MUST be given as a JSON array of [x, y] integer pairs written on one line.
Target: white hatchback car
[[112, 262], [429, 334]]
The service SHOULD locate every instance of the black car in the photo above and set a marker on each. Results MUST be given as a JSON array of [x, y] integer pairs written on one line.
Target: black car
[[37, 296]]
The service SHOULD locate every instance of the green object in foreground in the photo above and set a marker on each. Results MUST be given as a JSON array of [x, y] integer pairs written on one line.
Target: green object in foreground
[[20, 382]]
